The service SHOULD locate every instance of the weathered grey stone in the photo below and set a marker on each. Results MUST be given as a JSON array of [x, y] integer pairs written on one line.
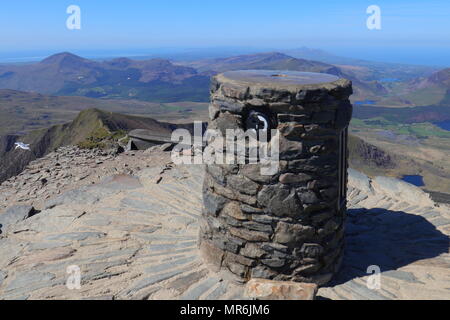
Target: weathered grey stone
[[74, 196], [75, 236], [251, 210], [213, 111], [253, 225], [226, 121], [233, 209], [292, 234], [249, 234], [14, 215], [401, 275], [211, 254], [225, 105], [213, 203], [27, 281], [227, 243], [263, 218], [151, 280], [253, 172], [263, 272], [290, 149], [288, 178], [252, 250], [217, 172], [280, 201], [184, 282], [311, 250], [273, 247], [242, 184], [2, 277], [169, 265], [231, 258], [274, 263], [218, 292], [307, 196], [199, 289]]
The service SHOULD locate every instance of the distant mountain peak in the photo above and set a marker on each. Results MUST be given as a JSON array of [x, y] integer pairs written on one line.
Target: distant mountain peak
[[64, 58]]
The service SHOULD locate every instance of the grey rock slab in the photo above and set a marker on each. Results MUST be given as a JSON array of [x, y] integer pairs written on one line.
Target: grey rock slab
[[112, 254], [169, 265], [441, 221], [219, 291], [182, 283], [98, 221], [160, 237], [196, 291], [161, 253], [359, 180], [9, 250], [149, 281], [75, 236], [47, 245], [91, 194], [401, 275], [364, 292], [170, 246], [14, 215], [276, 78], [431, 214], [119, 182], [151, 229], [136, 204], [77, 196], [2, 277], [28, 281], [97, 271]]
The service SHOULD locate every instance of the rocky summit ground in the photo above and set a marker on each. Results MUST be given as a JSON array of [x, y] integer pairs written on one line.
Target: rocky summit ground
[[130, 223]]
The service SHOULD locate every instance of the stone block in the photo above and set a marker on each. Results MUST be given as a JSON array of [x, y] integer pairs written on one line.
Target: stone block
[[279, 201], [290, 178], [233, 209], [263, 289], [252, 250], [249, 235], [292, 234], [213, 203], [242, 184]]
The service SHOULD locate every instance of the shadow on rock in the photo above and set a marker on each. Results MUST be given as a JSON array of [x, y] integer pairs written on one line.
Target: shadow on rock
[[388, 239]]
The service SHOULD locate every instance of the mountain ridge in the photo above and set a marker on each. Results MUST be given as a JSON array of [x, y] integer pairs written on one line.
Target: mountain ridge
[[154, 79], [88, 124]]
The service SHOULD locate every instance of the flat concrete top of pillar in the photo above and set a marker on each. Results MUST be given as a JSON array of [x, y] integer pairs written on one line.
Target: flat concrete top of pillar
[[278, 77]]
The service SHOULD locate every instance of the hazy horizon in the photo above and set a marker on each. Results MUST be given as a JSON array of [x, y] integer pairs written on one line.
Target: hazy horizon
[[439, 58], [412, 32]]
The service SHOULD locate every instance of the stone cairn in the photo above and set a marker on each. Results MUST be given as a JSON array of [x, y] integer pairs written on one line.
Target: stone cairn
[[288, 226]]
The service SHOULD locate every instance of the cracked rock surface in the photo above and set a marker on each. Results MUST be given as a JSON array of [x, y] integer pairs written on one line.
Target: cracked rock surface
[[133, 230]]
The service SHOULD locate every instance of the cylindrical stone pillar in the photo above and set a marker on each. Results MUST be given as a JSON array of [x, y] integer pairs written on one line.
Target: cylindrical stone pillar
[[289, 225]]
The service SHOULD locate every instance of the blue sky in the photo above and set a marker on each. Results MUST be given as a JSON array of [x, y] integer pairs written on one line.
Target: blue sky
[[338, 26]]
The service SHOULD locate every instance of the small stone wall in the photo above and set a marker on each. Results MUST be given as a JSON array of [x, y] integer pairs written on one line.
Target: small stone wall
[[290, 225]]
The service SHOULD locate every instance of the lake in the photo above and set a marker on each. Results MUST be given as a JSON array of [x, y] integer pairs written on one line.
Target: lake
[[443, 125], [414, 179], [364, 102]]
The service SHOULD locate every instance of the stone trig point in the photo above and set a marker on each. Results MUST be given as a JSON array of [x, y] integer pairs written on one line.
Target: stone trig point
[[288, 226]]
